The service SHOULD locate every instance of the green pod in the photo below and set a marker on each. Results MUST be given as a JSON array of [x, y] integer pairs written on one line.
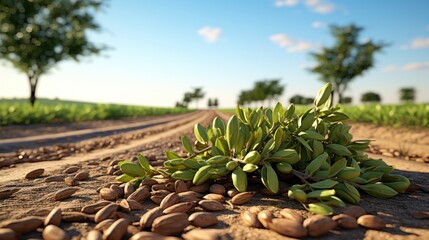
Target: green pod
[[286, 155], [132, 169], [250, 167], [185, 175], [320, 208], [348, 173], [284, 167], [231, 165], [347, 192], [379, 190], [124, 178], [191, 163], [333, 201], [324, 184], [252, 157], [297, 194], [220, 159], [201, 175], [321, 193], [317, 147], [232, 131]]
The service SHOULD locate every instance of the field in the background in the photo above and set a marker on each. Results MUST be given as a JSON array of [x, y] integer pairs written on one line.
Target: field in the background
[[401, 115], [19, 111]]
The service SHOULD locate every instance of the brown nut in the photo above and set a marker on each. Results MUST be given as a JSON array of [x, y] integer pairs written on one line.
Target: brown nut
[[319, 225], [371, 222], [179, 207], [250, 219], [108, 194], [215, 196], [265, 217], [345, 221], [147, 219], [54, 217], [64, 193], [180, 186], [242, 198], [354, 211], [170, 224], [105, 212], [287, 227], [8, 234], [34, 173], [211, 205], [93, 208], [117, 230], [169, 200], [80, 176], [140, 194], [202, 219], [217, 189], [52, 232], [292, 215], [23, 225]]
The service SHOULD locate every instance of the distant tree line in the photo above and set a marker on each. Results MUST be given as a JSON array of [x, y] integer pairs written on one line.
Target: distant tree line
[[212, 103], [194, 96], [263, 90]]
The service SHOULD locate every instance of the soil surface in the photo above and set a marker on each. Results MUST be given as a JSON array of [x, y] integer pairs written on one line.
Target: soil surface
[[35, 196]]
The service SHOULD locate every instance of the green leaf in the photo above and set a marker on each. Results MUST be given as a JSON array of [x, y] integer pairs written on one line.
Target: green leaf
[[337, 167], [304, 143], [171, 155], [144, 163], [315, 165], [187, 145], [269, 178], [232, 131], [323, 95], [124, 178], [218, 123], [132, 169], [328, 183], [201, 133]]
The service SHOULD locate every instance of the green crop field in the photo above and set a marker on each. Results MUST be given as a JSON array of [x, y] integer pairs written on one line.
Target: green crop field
[[400, 115], [19, 111]]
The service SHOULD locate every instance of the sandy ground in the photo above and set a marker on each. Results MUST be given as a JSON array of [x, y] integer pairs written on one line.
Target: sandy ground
[[35, 196]]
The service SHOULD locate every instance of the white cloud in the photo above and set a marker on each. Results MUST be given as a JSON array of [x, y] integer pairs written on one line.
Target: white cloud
[[286, 3], [290, 44], [318, 24], [416, 43], [210, 34], [415, 66], [390, 68], [318, 6], [324, 8]]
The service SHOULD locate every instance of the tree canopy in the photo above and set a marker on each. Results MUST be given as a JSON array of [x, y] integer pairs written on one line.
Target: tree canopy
[[370, 97], [407, 94], [262, 90], [37, 34], [346, 59]]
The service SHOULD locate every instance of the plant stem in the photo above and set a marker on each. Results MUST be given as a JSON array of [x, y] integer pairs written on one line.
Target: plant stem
[[199, 152]]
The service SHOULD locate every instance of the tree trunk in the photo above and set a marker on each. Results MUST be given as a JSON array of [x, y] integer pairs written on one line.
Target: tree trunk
[[340, 96], [33, 80]]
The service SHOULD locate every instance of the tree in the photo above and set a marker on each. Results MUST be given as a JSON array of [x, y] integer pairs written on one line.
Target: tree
[[245, 98], [36, 35], [215, 103], [346, 100], [407, 94], [187, 98], [197, 94], [210, 103], [370, 97], [346, 60], [273, 90], [297, 100]]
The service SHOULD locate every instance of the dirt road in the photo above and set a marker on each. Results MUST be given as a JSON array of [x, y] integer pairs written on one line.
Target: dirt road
[[35, 196]]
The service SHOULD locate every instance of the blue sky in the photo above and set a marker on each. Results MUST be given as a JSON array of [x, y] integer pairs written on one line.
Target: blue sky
[[160, 49]]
